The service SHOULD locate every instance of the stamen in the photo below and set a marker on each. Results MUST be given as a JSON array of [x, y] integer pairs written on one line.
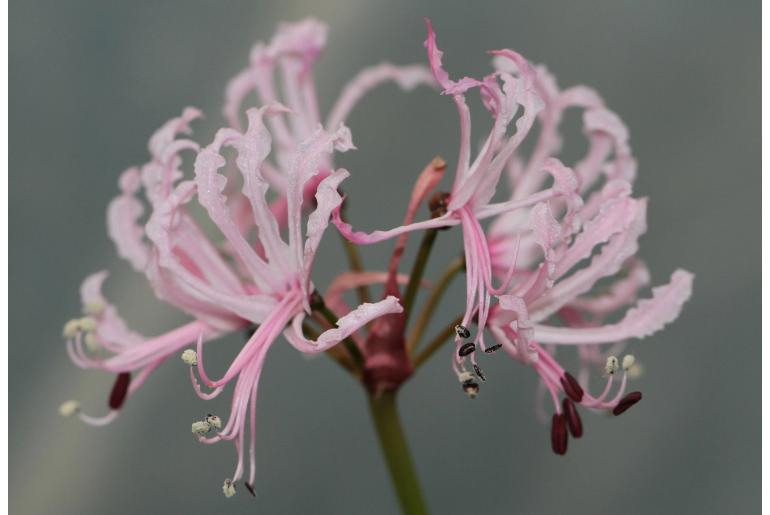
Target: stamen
[[214, 421], [471, 388], [467, 349], [465, 376], [612, 365], [479, 373], [462, 331], [626, 402], [559, 434], [636, 371], [71, 328], [228, 488], [573, 418], [92, 343], [493, 348], [628, 362], [120, 390], [190, 357], [250, 488], [93, 308], [88, 324], [201, 427], [69, 408], [571, 387]]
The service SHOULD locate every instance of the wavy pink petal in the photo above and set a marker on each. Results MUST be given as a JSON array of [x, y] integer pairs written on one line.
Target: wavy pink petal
[[346, 325], [123, 214], [406, 77], [648, 317]]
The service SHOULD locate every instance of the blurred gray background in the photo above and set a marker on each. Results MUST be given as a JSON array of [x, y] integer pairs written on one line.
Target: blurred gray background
[[91, 80]]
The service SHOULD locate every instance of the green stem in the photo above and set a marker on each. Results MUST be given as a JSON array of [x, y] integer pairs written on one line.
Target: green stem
[[436, 294], [429, 237], [437, 342], [394, 446], [350, 345]]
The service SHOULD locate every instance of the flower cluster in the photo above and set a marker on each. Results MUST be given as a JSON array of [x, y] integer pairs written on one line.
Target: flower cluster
[[551, 242], [562, 230]]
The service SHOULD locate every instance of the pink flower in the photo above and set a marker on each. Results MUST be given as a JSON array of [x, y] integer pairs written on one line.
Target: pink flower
[[562, 230], [476, 181], [242, 282], [549, 244]]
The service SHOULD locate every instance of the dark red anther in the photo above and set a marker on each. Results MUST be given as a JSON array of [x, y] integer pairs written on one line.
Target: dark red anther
[[479, 373], [467, 348], [626, 402], [120, 390], [571, 387], [559, 434], [573, 418], [250, 488], [492, 348]]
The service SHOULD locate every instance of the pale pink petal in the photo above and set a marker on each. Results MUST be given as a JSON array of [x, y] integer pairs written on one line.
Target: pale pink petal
[[598, 199], [503, 105], [305, 165], [546, 231], [406, 77], [363, 238], [172, 280], [346, 325], [441, 76], [210, 185], [111, 327], [237, 89], [123, 214], [328, 199], [253, 148], [648, 317], [614, 217], [434, 58], [349, 280], [606, 132], [304, 39], [622, 244], [166, 135], [152, 349], [621, 293], [522, 91]]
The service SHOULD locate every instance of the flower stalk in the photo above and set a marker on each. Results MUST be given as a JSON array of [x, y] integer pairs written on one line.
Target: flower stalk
[[418, 269], [435, 296], [390, 433]]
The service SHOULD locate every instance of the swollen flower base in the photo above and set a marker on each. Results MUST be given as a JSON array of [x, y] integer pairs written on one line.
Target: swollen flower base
[[563, 229]]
